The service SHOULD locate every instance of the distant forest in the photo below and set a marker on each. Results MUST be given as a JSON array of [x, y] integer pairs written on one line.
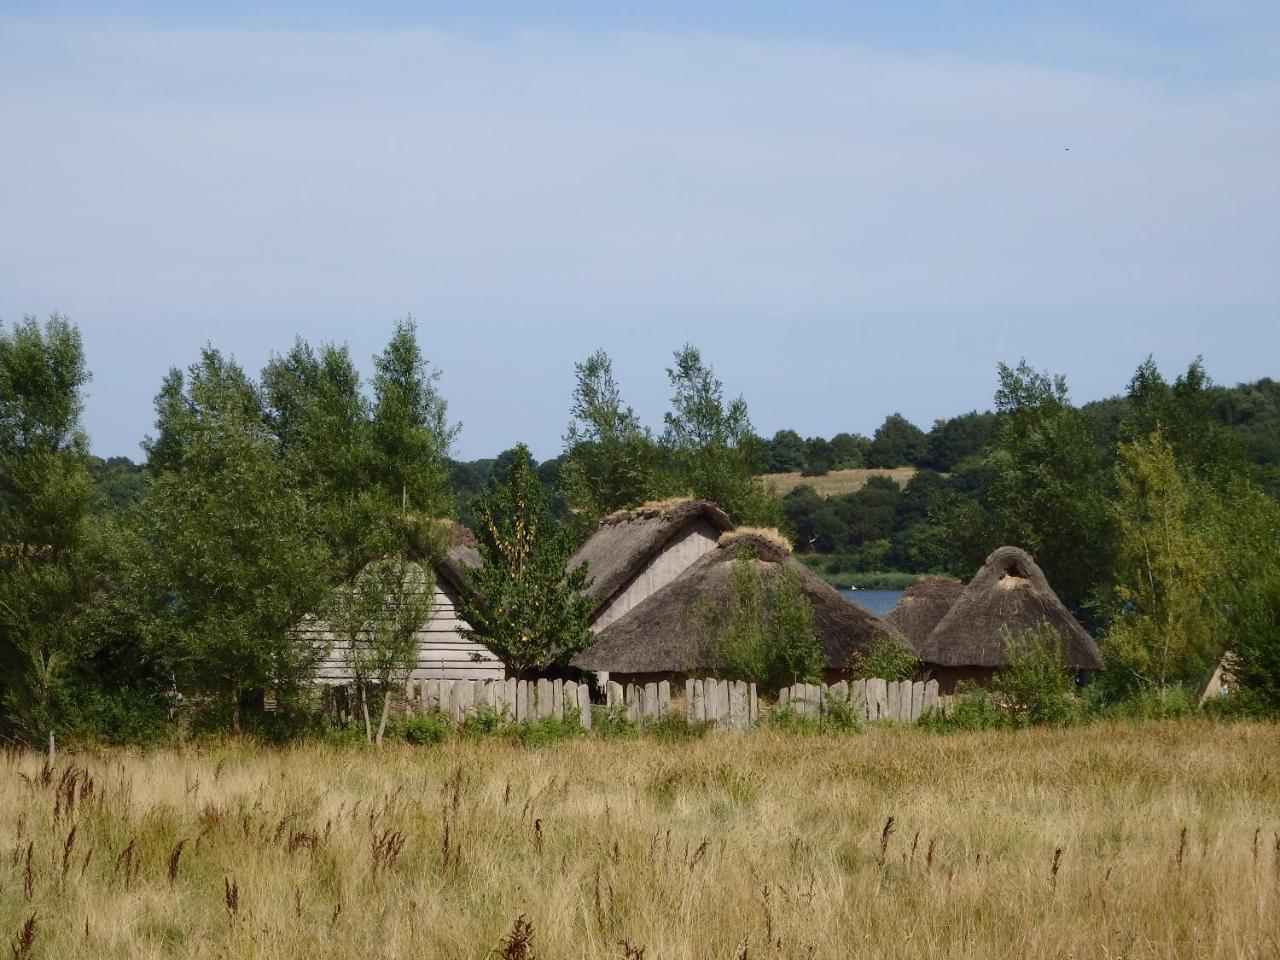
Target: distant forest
[[885, 525]]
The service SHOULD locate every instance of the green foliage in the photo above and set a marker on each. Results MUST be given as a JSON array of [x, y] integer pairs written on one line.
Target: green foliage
[[378, 616], [897, 443], [889, 658], [429, 728], [1035, 685], [1165, 629], [711, 449], [611, 460], [1246, 590], [1147, 703], [766, 635], [1048, 490], [232, 561], [45, 491], [973, 709], [526, 608]]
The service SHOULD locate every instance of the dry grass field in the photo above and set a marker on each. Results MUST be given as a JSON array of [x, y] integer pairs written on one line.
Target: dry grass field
[[837, 481], [1103, 841]]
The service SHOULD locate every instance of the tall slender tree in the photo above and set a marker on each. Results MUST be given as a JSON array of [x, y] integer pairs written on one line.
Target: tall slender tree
[[45, 491], [611, 460], [712, 449], [1048, 491]]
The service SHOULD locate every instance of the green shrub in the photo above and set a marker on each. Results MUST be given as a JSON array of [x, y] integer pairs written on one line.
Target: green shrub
[[840, 716], [612, 721], [549, 730], [973, 708], [483, 720], [1035, 685], [889, 659], [427, 729], [1152, 703]]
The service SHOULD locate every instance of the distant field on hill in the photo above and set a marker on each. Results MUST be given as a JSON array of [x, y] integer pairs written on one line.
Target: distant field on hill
[[837, 481], [1106, 840]]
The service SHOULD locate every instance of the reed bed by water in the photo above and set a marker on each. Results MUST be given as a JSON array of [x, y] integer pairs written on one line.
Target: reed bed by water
[[1158, 840]]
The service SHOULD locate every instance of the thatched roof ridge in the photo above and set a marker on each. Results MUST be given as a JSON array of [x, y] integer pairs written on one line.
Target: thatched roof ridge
[[922, 606], [668, 632], [1009, 593], [625, 541]]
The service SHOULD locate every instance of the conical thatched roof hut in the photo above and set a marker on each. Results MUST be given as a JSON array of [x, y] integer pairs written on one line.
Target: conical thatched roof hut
[[668, 635], [635, 553], [922, 606], [1007, 595]]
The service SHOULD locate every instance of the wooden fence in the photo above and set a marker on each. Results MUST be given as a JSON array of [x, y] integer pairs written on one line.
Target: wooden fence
[[728, 704], [520, 701]]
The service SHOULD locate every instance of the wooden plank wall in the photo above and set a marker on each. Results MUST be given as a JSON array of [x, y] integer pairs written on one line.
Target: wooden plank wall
[[443, 653]]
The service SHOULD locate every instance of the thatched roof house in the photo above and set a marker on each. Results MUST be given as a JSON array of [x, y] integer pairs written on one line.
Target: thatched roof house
[[668, 635], [442, 651], [635, 553], [922, 606], [1007, 595]]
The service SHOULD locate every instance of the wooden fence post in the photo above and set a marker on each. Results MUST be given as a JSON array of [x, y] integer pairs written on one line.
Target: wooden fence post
[[695, 707], [613, 695], [753, 706], [584, 706], [877, 699], [557, 699], [930, 703], [664, 697]]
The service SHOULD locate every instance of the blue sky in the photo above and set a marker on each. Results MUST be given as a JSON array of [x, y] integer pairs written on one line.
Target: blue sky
[[852, 210]]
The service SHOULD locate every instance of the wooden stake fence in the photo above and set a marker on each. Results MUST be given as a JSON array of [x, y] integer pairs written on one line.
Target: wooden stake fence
[[728, 704]]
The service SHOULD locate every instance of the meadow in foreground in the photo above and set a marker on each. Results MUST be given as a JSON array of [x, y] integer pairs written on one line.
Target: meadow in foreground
[[1158, 840]]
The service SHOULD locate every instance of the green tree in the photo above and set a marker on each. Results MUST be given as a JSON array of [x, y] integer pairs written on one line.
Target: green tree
[[412, 435], [765, 634], [849, 451], [1165, 629], [611, 460], [713, 452], [234, 555], [322, 423], [819, 457], [956, 439], [378, 617], [45, 492], [897, 443], [1047, 492], [526, 608], [1245, 587], [785, 453], [1184, 412]]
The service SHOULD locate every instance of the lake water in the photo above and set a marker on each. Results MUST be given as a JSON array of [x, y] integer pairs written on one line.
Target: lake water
[[879, 602]]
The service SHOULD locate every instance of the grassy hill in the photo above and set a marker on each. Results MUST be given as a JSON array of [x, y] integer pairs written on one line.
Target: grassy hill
[[837, 481]]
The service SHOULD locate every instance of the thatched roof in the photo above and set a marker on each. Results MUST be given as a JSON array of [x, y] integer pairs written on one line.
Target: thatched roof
[[1009, 593], [459, 556], [921, 607], [625, 541], [668, 632]]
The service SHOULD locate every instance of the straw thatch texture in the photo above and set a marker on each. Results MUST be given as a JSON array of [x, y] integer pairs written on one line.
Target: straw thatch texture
[[1008, 594], [922, 606], [669, 632], [625, 542]]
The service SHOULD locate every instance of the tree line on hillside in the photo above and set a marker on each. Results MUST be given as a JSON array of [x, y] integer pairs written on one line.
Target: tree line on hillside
[[127, 592]]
